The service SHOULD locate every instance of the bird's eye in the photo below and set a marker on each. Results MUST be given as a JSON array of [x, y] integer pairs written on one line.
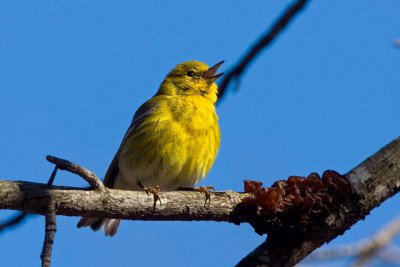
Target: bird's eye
[[190, 73]]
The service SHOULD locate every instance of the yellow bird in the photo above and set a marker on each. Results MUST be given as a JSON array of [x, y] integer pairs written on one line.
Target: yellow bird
[[173, 139]]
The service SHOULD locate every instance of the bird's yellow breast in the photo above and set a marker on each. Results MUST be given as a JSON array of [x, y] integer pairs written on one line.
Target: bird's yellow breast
[[175, 146]]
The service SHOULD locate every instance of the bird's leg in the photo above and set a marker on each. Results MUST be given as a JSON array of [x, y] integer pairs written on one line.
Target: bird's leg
[[202, 189], [206, 190], [152, 190]]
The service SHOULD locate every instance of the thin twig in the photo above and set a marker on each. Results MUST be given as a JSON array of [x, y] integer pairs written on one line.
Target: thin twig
[[369, 249], [234, 74], [13, 221], [50, 230], [89, 176], [391, 254], [52, 176], [364, 250]]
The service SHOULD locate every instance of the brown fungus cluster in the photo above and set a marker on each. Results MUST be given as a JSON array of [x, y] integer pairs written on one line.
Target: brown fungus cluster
[[294, 206]]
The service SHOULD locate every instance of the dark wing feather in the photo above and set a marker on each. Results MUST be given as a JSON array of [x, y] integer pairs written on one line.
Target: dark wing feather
[[141, 114]]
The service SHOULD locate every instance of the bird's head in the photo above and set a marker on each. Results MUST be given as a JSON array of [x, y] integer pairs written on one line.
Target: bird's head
[[192, 78]]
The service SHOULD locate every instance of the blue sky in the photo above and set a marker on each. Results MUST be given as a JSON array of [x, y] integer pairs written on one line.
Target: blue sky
[[324, 96]]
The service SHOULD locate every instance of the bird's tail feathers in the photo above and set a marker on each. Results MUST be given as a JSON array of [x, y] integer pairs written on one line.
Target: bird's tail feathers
[[110, 226]]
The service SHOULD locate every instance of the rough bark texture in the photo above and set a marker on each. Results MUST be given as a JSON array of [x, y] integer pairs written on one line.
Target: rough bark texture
[[373, 181], [132, 205]]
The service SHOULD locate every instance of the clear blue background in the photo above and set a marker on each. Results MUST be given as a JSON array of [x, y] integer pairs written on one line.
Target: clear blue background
[[324, 96]]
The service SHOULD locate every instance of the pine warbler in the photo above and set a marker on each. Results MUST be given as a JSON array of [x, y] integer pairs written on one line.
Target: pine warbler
[[172, 141]]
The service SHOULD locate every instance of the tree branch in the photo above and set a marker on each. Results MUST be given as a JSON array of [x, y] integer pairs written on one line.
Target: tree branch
[[11, 222], [113, 203], [87, 175], [235, 73], [371, 247], [50, 230], [364, 250], [396, 43], [373, 181]]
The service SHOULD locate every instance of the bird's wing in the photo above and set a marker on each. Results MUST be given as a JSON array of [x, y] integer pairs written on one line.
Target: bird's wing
[[140, 115]]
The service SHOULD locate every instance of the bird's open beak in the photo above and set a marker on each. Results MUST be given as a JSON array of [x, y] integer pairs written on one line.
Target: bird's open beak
[[210, 73]]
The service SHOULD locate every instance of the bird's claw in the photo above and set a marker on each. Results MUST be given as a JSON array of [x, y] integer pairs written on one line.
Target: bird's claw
[[206, 190], [155, 191]]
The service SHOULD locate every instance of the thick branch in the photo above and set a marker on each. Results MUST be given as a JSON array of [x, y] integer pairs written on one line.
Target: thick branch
[[132, 205], [373, 181], [266, 39]]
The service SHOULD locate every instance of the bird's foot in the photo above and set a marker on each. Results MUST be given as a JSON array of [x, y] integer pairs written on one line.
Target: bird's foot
[[155, 191], [206, 190]]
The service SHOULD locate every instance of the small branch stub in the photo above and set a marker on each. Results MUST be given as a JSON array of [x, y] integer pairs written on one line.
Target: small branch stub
[[87, 175]]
